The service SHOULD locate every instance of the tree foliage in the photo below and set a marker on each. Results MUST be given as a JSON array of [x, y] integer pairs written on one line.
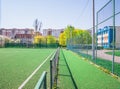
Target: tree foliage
[[47, 39], [76, 36], [69, 32], [38, 39], [51, 39], [62, 39]]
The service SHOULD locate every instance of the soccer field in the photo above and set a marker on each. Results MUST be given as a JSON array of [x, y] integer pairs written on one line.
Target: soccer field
[[16, 65]]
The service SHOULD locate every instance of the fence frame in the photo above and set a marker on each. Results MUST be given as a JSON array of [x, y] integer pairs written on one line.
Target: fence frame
[[54, 68], [110, 18], [113, 22], [42, 81]]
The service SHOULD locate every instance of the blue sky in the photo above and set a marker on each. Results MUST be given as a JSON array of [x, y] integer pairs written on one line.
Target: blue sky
[[55, 14]]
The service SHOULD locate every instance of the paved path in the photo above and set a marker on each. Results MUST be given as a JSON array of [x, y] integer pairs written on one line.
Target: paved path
[[102, 54]]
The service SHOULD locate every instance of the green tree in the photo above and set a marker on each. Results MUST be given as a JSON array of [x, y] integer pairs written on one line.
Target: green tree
[[69, 31], [62, 39], [72, 35], [51, 39], [81, 37], [87, 37]]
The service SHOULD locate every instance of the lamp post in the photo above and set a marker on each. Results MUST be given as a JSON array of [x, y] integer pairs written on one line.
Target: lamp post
[[93, 33], [0, 14], [113, 1]]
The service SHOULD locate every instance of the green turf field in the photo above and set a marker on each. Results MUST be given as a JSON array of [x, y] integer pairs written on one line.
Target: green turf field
[[17, 64], [117, 53], [86, 75], [64, 76], [104, 63]]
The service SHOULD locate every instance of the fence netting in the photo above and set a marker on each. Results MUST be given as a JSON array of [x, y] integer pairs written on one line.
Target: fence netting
[[54, 69], [107, 39]]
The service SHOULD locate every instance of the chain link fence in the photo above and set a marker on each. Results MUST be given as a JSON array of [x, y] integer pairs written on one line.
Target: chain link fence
[[107, 43], [54, 69], [40, 44]]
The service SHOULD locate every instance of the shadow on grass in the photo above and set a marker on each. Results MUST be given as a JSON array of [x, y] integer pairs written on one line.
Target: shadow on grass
[[64, 75], [65, 78]]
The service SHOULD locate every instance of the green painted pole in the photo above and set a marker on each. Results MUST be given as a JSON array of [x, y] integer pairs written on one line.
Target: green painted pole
[[41, 81], [51, 74]]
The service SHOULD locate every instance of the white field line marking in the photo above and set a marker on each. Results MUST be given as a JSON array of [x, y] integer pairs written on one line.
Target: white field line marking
[[23, 84]]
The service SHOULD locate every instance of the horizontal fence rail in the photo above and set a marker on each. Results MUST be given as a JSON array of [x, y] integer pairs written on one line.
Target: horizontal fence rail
[[42, 83]]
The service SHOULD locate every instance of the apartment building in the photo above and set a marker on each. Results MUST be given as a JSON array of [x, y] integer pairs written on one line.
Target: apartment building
[[105, 37], [21, 34], [53, 32]]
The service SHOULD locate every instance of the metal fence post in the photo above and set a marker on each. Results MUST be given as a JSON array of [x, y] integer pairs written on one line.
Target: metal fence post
[[51, 74], [96, 37], [113, 1], [93, 32]]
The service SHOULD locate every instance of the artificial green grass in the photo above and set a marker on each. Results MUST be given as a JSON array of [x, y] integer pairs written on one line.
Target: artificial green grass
[[87, 76], [17, 64], [108, 65], [33, 81], [104, 63], [64, 77], [117, 53]]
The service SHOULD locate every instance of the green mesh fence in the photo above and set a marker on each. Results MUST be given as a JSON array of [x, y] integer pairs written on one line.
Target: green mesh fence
[[107, 39]]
